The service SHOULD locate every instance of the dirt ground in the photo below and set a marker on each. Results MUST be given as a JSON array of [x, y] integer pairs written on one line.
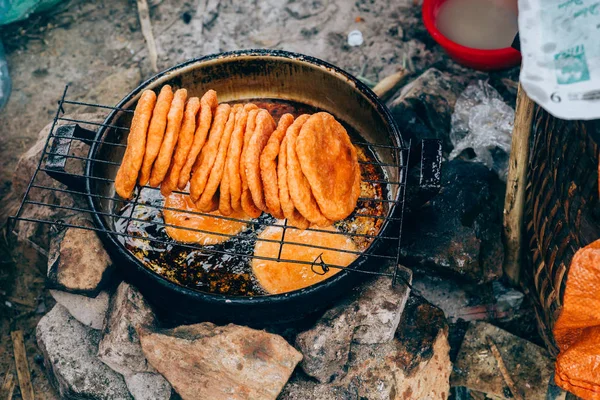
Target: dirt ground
[[97, 48]]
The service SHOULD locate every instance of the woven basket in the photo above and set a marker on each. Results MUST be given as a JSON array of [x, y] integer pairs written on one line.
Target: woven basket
[[561, 208]]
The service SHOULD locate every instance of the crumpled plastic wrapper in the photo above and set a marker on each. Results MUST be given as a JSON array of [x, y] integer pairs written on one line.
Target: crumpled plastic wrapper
[[483, 122]]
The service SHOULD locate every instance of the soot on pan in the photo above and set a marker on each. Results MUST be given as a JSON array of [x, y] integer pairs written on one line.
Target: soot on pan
[[225, 268]]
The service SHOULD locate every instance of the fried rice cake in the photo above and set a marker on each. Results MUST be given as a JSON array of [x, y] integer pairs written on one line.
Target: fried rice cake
[[246, 201], [264, 127], [329, 162], [286, 276], [208, 105], [268, 166], [184, 143], [184, 224], [131, 164], [298, 186], [165, 155], [156, 132], [205, 162], [294, 218]]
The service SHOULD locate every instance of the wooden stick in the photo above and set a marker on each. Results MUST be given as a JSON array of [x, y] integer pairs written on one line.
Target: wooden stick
[[390, 84], [8, 387], [514, 202], [22, 366], [144, 14], [507, 378]]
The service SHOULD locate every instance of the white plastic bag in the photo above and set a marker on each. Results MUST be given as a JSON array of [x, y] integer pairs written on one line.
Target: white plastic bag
[[560, 44]]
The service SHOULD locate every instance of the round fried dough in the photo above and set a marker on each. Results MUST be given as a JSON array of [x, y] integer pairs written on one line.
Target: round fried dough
[[186, 227], [268, 166], [328, 161], [156, 132], [286, 276], [245, 197], [165, 155], [208, 104], [265, 125], [184, 143], [298, 185], [231, 181], [233, 193], [294, 218], [208, 154], [136, 145], [216, 172]]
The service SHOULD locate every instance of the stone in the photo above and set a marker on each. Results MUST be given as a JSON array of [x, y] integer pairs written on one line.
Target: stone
[[459, 229], [370, 317], [90, 311], [77, 260], [148, 386], [205, 361], [424, 107], [69, 350], [476, 368], [414, 365], [120, 346]]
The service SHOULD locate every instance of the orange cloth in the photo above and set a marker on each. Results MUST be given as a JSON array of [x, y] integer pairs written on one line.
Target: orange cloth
[[577, 330]]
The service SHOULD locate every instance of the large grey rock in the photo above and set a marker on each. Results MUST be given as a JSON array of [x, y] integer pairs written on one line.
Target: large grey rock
[[148, 386], [205, 361], [424, 107], [476, 368], [370, 317], [458, 230], [90, 311], [120, 346], [415, 365], [77, 260], [69, 350]]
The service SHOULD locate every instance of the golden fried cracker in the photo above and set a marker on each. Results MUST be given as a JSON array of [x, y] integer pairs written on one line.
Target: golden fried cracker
[[205, 162], [286, 276], [232, 192], [224, 190], [156, 132], [216, 172], [265, 125], [245, 197], [298, 185], [184, 143], [294, 218], [328, 161], [165, 155], [268, 166], [136, 145], [208, 104], [185, 226]]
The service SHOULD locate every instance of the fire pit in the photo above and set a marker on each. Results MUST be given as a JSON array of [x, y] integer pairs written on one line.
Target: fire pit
[[223, 288]]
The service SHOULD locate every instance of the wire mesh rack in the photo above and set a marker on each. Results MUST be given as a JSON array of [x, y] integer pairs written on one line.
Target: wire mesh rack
[[58, 151]]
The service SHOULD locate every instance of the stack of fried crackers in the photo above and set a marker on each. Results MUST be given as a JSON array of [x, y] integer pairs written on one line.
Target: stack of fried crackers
[[236, 158]]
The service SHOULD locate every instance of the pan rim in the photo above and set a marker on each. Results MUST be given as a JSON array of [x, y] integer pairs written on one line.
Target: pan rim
[[217, 298]]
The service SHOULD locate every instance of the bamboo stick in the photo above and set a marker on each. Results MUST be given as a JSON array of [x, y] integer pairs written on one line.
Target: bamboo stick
[[22, 365]]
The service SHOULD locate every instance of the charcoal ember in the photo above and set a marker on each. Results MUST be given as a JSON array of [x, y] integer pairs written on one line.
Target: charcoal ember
[[369, 317], [205, 361], [120, 346], [476, 368], [77, 260], [458, 230], [424, 107], [90, 311], [25, 169], [148, 386], [414, 365], [69, 350]]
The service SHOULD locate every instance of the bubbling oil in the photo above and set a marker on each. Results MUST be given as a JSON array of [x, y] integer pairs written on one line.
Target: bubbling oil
[[479, 24]]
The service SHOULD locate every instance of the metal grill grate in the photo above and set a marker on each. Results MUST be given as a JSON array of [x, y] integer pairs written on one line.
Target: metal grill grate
[[51, 153]]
